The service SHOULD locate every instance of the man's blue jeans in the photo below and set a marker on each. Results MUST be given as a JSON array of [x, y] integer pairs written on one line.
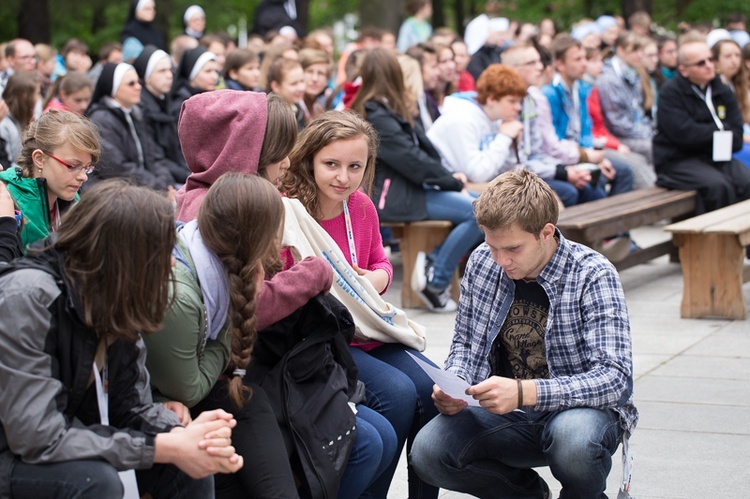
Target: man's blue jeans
[[99, 479], [457, 208], [488, 455]]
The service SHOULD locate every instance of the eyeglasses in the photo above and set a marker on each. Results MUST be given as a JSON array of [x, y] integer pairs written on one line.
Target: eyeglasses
[[700, 64], [87, 169]]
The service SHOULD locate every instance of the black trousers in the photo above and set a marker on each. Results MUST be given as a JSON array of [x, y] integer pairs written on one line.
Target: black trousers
[[718, 184], [267, 472]]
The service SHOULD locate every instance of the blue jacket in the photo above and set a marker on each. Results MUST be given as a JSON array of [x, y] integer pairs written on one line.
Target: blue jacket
[[555, 93]]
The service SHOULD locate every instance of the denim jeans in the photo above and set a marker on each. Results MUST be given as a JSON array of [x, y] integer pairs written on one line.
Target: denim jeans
[[623, 181], [488, 455], [395, 383], [570, 196], [457, 208], [96, 479], [374, 448]]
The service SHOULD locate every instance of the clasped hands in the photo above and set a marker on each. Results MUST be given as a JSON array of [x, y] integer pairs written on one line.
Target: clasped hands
[[202, 447]]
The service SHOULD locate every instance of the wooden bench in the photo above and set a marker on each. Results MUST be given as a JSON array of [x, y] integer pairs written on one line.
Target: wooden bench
[[413, 238], [593, 222], [712, 253]]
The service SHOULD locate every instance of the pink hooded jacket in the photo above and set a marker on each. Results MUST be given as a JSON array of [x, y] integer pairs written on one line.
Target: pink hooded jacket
[[220, 132]]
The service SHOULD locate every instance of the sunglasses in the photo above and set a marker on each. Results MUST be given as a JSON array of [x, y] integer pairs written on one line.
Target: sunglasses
[[87, 169], [700, 64]]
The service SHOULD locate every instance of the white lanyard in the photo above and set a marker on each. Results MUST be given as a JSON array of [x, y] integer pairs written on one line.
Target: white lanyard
[[350, 235], [127, 477], [709, 104], [102, 390], [627, 469], [528, 103]]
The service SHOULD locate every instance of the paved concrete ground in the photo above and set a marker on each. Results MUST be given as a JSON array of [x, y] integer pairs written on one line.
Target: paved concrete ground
[[692, 388]]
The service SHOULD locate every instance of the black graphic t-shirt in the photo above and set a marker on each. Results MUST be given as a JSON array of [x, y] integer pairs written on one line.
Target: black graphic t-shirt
[[518, 350]]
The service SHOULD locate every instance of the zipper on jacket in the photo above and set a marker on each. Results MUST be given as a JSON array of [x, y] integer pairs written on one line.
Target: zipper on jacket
[[384, 193], [42, 185]]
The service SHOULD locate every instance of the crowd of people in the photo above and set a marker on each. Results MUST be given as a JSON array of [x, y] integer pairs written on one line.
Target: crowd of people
[[142, 207]]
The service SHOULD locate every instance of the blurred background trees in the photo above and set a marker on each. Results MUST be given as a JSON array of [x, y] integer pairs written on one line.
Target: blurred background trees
[[100, 21]]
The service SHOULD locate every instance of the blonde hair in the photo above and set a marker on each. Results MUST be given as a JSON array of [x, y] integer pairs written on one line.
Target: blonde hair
[[517, 197], [54, 129], [412, 81]]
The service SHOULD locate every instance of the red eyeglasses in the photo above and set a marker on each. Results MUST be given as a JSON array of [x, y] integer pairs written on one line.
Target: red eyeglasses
[[87, 169]]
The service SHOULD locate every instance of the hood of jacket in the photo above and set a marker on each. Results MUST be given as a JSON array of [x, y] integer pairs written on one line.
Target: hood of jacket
[[220, 132], [464, 103]]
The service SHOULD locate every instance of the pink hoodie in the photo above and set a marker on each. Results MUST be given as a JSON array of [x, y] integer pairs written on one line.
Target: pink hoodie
[[220, 132]]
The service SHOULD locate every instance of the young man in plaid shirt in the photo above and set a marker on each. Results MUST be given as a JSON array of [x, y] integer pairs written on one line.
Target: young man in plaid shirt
[[542, 335]]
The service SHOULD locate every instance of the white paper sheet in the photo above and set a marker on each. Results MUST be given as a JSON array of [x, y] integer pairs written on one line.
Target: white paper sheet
[[448, 382]]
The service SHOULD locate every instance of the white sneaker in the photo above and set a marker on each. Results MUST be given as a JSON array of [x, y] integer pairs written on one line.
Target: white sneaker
[[437, 300], [418, 274]]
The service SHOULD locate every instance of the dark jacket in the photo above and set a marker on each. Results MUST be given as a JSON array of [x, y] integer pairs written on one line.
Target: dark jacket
[[10, 242], [407, 161], [271, 15], [48, 408], [684, 124], [119, 152], [180, 95], [304, 365], [146, 33], [162, 127], [482, 58]]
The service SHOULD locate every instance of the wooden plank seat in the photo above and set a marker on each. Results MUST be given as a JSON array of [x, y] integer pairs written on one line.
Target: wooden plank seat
[[712, 254], [593, 222], [413, 238]]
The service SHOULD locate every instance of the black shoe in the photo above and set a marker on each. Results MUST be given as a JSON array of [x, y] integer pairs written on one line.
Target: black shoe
[[437, 300]]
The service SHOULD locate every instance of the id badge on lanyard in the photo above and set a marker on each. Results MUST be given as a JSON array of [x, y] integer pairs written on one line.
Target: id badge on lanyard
[[722, 139], [128, 479]]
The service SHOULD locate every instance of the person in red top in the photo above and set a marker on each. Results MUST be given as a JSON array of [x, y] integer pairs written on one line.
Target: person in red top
[[465, 82], [333, 161]]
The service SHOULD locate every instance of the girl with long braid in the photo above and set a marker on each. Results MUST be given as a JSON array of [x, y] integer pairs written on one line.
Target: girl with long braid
[[202, 352]]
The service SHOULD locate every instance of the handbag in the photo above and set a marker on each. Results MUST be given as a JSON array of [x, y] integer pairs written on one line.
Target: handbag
[[377, 320]]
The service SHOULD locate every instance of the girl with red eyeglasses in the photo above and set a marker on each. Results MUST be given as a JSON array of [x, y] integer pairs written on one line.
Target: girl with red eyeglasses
[[58, 154]]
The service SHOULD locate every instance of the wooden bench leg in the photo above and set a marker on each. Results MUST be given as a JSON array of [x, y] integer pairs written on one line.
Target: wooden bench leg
[[712, 269], [413, 240]]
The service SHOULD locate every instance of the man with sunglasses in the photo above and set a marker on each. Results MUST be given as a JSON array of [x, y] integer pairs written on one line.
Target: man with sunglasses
[[699, 127]]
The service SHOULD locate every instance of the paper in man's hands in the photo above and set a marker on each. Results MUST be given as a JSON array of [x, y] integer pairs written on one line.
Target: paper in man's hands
[[451, 384]]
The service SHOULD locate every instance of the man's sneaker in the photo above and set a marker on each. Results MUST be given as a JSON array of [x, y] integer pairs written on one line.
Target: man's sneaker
[[436, 300], [419, 273], [439, 301]]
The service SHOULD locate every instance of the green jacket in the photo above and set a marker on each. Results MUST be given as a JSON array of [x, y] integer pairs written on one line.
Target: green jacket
[[30, 195], [181, 368]]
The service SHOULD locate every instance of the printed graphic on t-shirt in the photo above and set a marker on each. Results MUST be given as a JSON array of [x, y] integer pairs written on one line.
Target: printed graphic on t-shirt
[[523, 331]]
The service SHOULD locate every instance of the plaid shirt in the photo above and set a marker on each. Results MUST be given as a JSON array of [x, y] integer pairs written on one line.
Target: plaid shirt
[[587, 340]]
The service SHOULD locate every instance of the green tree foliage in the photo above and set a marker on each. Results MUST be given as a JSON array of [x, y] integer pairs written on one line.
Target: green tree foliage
[[100, 21]]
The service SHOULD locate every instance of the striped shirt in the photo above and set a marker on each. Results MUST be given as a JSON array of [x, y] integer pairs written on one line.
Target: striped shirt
[[587, 338]]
